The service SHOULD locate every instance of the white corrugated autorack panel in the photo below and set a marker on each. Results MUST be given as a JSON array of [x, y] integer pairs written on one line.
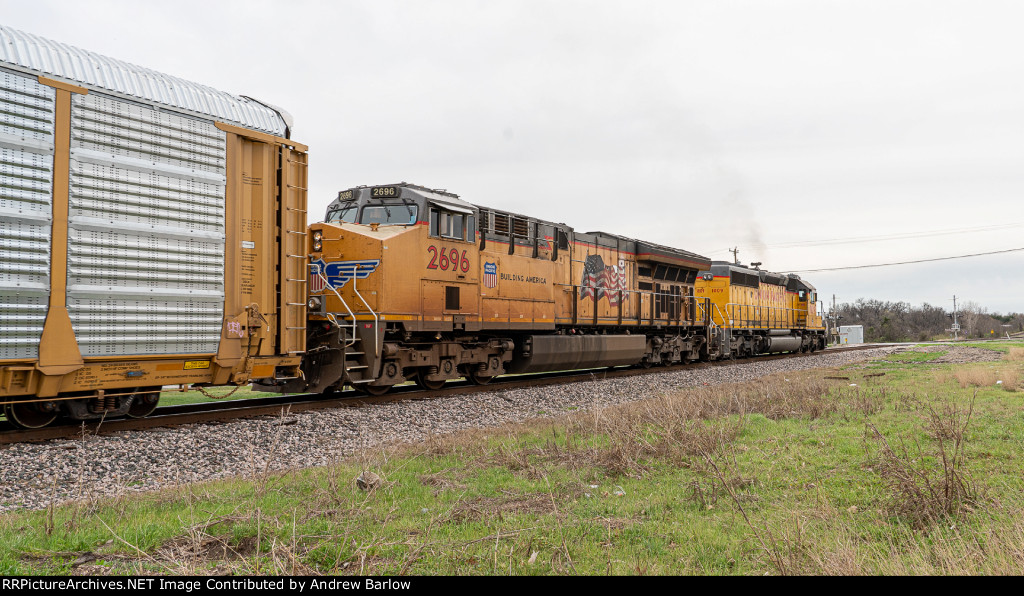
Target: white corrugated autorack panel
[[145, 230], [146, 207], [27, 52], [26, 211]]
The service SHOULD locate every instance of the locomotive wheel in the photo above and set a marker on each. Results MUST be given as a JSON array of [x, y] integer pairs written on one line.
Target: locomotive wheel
[[421, 380], [28, 415], [372, 389], [143, 404], [478, 379]]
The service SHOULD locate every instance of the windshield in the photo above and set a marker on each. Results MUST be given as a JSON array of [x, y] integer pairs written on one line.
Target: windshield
[[343, 213], [389, 214]]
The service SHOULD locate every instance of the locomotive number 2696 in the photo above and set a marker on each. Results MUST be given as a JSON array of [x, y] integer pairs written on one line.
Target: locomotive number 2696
[[448, 260]]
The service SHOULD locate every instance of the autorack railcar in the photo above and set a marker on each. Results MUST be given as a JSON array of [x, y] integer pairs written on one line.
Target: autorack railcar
[[153, 232]]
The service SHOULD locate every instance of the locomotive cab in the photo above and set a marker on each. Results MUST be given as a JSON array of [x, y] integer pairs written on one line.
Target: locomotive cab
[[393, 293]]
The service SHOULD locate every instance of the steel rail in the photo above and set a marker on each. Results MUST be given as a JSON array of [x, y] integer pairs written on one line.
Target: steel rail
[[222, 411]]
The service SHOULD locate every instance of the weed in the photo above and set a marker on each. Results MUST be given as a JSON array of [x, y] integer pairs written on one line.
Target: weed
[[926, 486]]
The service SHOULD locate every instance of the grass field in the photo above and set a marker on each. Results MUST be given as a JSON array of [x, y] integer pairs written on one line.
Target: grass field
[[898, 466]]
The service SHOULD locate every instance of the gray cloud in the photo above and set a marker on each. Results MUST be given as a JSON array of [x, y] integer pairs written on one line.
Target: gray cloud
[[703, 125]]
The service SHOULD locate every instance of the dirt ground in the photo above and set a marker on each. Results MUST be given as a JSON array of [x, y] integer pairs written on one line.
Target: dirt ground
[[958, 354]]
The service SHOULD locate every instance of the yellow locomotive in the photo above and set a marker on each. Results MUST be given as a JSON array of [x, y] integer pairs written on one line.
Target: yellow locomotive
[[411, 283]]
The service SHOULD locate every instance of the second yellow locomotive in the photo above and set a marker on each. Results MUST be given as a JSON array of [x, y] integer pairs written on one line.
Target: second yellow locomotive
[[411, 283]]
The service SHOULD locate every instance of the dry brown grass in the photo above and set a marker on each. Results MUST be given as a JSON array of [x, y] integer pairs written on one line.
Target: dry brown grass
[[975, 377], [944, 550], [685, 429], [1015, 354], [682, 428], [1010, 379], [1005, 377]]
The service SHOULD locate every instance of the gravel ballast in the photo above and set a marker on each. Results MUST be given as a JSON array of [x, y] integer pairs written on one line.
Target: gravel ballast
[[33, 475]]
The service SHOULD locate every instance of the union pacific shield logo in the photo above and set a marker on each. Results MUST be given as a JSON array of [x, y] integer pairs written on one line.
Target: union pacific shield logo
[[490, 275], [335, 275]]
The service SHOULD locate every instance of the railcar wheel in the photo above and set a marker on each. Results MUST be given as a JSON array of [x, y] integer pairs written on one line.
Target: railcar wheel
[[373, 390], [478, 379], [421, 380], [143, 404], [29, 415]]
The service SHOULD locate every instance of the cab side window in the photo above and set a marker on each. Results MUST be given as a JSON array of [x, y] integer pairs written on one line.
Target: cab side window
[[452, 226]]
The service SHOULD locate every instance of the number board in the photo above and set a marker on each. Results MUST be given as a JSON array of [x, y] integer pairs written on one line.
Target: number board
[[448, 259], [385, 191], [345, 195]]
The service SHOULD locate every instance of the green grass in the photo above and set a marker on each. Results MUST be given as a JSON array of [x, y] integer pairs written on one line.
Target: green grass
[[783, 475], [174, 398], [915, 356]]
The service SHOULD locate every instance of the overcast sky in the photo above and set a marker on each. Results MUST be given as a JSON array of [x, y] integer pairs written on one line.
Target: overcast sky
[[809, 134]]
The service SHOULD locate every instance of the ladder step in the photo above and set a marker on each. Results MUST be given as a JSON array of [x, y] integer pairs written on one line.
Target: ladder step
[[358, 367], [354, 353], [362, 381]]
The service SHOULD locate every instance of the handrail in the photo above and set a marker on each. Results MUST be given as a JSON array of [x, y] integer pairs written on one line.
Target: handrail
[[376, 319], [777, 316], [330, 316]]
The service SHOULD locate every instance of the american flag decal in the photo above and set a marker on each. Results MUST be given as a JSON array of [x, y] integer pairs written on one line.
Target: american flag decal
[[335, 275], [601, 281], [490, 275]]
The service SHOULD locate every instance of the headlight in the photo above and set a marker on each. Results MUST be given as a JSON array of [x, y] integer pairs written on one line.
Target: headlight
[[318, 241], [314, 303]]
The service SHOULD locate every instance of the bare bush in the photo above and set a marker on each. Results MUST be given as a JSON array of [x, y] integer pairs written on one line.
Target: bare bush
[[927, 485]]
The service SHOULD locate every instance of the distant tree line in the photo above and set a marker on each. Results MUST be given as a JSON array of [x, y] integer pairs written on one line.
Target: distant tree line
[[899, 321]]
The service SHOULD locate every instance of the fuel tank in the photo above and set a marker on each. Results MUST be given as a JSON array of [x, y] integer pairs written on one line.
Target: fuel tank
[[541, 353]]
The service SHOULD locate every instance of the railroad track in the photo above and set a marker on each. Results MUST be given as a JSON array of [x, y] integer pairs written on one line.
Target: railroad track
[[222, 411]]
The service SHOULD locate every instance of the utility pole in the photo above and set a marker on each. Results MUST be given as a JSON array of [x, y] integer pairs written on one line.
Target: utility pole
[[956, 324], [735, 255], [834, 331]]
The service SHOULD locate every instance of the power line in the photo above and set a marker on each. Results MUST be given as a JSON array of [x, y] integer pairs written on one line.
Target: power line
[[980, 254], [899, 236], [883, 237]]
